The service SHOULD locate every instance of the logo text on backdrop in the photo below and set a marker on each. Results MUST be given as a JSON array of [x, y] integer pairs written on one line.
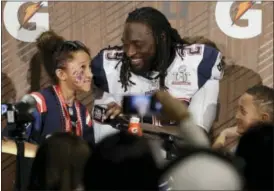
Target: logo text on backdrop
[[228, 26], [16, 29]]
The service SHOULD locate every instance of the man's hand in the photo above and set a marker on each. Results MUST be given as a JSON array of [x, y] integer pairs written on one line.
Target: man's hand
[[113, 110]]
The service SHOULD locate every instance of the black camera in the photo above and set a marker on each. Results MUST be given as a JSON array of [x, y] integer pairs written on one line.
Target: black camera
[[18, 115]]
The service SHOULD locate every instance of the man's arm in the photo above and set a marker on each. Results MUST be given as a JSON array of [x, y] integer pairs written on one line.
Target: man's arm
[[101, 82], [99, 74], [203, 105]]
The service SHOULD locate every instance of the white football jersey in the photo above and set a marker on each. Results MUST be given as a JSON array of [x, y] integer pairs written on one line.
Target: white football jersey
[[193, 77]]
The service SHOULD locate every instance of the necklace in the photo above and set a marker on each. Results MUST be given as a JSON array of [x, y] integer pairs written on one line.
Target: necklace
[[66, 113], [70, 111]]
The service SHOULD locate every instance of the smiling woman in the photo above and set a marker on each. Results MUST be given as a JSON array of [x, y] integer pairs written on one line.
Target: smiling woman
[[67, 63]]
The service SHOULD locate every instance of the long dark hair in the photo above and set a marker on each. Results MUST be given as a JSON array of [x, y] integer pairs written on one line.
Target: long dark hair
[[54, 51]]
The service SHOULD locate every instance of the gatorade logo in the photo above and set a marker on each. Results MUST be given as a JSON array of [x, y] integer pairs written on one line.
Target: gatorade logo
[[32, 15], [245, 12], [134, 130]]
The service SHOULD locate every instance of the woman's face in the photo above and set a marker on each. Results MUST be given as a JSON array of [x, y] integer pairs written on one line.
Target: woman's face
[[78, 72]]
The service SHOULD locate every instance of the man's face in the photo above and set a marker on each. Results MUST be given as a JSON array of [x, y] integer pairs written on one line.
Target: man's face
[[247, 113], [139, 46]]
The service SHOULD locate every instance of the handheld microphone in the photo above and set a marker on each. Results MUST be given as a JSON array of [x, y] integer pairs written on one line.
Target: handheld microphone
[[120, 122], [99, 114]]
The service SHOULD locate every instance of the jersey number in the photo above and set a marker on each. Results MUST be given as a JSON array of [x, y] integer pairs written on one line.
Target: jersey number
[[191, 51], [220, 66], [114, 55]]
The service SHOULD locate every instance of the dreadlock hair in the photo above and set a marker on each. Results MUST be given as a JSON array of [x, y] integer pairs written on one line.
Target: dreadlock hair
[[165, 37], [167, 41], [54, 51]]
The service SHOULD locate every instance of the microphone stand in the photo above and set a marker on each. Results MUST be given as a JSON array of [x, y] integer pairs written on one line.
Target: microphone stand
[[18, 134], [19, 115], [168, 139], [169, 145]]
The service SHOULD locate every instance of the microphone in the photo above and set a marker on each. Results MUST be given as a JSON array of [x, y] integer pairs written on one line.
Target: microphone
[[122, 123], [119, 122]]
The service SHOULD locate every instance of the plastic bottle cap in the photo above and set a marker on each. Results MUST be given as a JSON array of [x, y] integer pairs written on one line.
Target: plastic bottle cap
[[134, 120]]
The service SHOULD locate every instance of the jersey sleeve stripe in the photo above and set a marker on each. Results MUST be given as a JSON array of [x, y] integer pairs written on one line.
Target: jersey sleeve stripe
[[205, 67], [41, 102], [184, 99]]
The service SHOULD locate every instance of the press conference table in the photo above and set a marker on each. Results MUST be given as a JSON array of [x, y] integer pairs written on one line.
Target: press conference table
[[150, 131], [168, 130]]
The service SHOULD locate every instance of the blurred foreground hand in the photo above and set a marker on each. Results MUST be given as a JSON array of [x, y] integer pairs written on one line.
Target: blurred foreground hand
[[173, 109]]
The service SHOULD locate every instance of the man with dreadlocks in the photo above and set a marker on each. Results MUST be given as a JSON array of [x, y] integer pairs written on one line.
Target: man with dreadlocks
[[153, 57]]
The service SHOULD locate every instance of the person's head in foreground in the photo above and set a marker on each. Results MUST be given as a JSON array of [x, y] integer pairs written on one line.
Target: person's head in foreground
[[256, 149], [255, 105], [66, 62], [59, 163], [121, 162], [201, 169]]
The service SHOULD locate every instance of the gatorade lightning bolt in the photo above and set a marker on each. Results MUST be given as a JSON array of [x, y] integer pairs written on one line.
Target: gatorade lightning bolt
[[134, 126]]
